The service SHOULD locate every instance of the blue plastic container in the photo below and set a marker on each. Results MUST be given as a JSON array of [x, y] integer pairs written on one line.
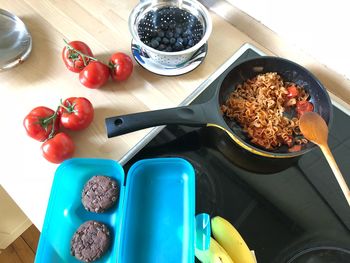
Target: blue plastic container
[[152, 222], [159, 213]]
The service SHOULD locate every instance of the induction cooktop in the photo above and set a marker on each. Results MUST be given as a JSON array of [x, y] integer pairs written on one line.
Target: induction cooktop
[[298, 214]]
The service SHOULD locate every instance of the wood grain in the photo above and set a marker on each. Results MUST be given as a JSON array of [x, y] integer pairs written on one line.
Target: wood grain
[[23, 249], [31, 237]]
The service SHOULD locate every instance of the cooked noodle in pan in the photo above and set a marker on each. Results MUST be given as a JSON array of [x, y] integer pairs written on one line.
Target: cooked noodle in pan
[[260, 104]]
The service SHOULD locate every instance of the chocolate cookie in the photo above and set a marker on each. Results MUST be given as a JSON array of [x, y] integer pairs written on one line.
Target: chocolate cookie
[[90, 241], [100, 193]]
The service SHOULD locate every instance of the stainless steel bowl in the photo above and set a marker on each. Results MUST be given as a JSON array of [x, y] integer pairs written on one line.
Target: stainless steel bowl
[[15, 40], [170, 58]]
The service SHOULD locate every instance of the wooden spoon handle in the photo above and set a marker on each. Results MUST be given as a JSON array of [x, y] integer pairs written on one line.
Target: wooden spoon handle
[[341, 181]]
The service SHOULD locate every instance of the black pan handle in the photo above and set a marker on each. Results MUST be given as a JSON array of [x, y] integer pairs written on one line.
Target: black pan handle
[[193, 115]]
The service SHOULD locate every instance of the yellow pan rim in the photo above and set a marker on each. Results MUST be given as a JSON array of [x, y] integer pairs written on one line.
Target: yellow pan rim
[[246, 147]]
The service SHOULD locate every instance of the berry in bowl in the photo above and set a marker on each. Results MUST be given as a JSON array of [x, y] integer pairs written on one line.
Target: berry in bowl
[[170, 32]]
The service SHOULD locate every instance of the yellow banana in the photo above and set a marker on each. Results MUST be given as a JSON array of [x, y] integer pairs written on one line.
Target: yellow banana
[[215, 254], [230, 239]]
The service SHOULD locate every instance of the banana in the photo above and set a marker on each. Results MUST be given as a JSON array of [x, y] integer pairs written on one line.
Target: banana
[[215, 254], [230, 239]]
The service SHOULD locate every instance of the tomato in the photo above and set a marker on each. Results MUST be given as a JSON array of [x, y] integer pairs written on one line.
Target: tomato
[[295, 148], [76, 113], [121, 66], [73, 60], [304, 106], [38, 123], [292, 91], [94, 75], [58, 148]]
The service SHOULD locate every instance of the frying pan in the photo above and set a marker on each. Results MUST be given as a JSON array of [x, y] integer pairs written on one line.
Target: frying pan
[[209, 113]]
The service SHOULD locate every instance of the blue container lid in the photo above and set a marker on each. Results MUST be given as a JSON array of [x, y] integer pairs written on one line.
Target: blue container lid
[[159, 212]]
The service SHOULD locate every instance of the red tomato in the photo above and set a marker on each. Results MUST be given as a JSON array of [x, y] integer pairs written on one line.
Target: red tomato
[[38, 123], [292, 91], [121, 66], [73, 60], [58, 148], [304, 106], [76, 113], [94, 75], [295, 148]]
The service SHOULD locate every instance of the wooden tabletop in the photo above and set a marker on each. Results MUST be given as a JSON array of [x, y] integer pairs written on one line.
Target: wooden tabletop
[[43, 80]]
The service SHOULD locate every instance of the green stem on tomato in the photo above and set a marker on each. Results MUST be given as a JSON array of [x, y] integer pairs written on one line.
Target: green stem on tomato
[[69, 108], [53, 118], [46, 121], [111, 65], [83, 56]]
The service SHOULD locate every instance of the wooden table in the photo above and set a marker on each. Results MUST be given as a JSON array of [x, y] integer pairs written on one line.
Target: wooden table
[[44, 80]]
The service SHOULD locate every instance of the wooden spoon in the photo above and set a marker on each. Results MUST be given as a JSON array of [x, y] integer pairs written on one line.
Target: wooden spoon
[[315, 129]]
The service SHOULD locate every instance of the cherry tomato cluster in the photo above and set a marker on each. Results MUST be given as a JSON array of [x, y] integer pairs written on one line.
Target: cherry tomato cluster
[[78, 57], [44, 124]]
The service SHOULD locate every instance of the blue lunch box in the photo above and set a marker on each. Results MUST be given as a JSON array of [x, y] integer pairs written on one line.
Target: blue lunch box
[[153, 221]]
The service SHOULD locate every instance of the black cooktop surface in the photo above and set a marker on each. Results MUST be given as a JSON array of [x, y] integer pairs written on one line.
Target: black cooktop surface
[[295, 215]]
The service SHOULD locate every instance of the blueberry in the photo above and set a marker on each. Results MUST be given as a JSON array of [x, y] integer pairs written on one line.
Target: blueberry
[[169, 34], [168, 49], [178, 30], [158, 39], [191, 42], [180, 40], [153, 33], [164, 26], [154, 43], [165, 41], [161, 47], [185, 41], [172, 40], [172, 25], [186, 33], [176, 35], [161, 34], [178, 46]]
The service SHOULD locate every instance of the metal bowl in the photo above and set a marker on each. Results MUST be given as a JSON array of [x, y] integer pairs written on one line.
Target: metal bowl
[[165, 58], [15, 40]]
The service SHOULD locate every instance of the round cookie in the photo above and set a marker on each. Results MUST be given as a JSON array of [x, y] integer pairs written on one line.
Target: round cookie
[[90, 241], [99, 193]]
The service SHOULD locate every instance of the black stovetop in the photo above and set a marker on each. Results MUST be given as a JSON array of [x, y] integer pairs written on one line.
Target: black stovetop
[[277, 214]]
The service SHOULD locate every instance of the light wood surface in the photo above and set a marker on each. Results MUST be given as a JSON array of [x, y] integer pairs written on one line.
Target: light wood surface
[[44, 80]]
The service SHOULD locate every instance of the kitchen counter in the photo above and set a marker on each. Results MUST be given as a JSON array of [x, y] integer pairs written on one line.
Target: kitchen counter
[[43, 80]]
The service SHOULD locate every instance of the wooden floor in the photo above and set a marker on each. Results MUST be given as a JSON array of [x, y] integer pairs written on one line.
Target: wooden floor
[[23, 249]]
